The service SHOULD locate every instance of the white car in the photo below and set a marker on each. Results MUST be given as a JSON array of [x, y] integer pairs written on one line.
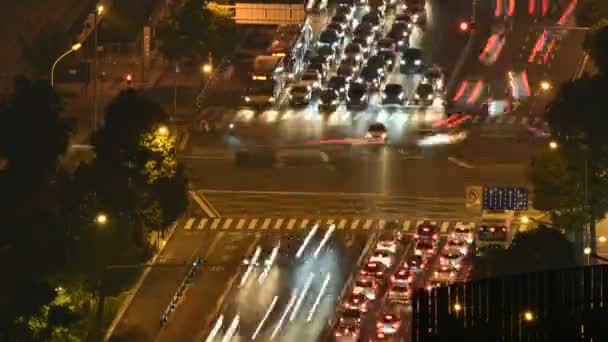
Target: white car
[[367, 286], [464, 231], [451, 257], [445, 274], [399, 293], [387, 245], [312, 78], [383, 256], [458, 245]]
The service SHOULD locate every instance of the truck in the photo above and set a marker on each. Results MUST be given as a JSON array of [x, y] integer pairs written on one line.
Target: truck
[[494, 229], [267, 82]]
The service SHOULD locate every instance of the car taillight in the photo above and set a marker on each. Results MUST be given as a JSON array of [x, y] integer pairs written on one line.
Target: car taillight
[[416, 236], [338, 333], [379, 273], [380, 335], [395, 325], [392, 278], [379, 325], [435, 236]]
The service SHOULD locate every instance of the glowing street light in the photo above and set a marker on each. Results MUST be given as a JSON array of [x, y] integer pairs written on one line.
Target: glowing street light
[[457, 307], [101, 219], [100, 9], [587, 250], [602, 239], [74, 47], [545, 85], [163, 130], [553, 145], [464, 26], [207, 68], [525, 219], [528, 316]]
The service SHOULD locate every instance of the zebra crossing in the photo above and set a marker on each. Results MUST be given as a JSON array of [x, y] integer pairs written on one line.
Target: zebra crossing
[[301, 223], [511, 120]]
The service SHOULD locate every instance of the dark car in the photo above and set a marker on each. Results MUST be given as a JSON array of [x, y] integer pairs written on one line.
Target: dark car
[[389, 58], [374, 19], [386, 44], [377, 130], [341, 19], [434, 76], [427, 231], [339, 84], [366, 31], [365, 45], [380, 62], [300, 95], [330, 37], [346, 71], [424, 94], [352, 62], [353, 50], [357, 96], [400, 35], [404, 18], [393, 95], [324, 60], [329, 99], [417, 12], [341, 29], [320, 67], [372, 76], [411, 61], [346, 11], [375, 270], [327, 52], [377, 5], [415, 263]]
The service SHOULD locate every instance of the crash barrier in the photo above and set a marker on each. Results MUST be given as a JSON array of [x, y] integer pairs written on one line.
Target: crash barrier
[[164, 317]]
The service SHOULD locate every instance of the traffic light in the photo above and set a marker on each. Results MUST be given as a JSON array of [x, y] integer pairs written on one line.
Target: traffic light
[[464, 26], [129, 79]]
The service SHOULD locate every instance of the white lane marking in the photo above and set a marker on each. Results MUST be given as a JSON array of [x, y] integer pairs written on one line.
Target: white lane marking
[[251, 263], [240, 224], [330, 221], [290, 224], [232, 328], [524, 120], [460, 163], [252, 224], [444, 227], [261, 324], [406, 225], [266, 224], [304, 223], [268, 263], [367, 224], [278, 223], [312, 232], [216, 328], [354, 224], [328, 234], [318, 299], [202, 224], [292, 300], [296, 308], [227, 223], [189, 224], [342, 224], [216, 222], [381, 223], [202, 204]]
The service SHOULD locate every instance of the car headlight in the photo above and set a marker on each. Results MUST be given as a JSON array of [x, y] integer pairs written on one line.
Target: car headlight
[[247, 99], [383, 137], [402, 62], [383, 96], [400, 43], [429, 97], [315, 83], [271, 99], [416, 96], [417, 62], [368, 135]]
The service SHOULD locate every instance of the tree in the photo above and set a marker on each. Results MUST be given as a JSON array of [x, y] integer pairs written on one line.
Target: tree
[[596, 44], [590, 12], [42, 50], [193, 31]]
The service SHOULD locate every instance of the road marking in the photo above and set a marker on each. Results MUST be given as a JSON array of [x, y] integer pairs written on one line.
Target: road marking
[[208, 203], [460, 163], [406, 225], [202, 204], [278, 223], [342, 224], [240, 224], [524, 120], [511, 120], [367, 224], [265, 224], [252, 224], [227, 223], [184, 141], [500, 119], [381, 224], [216, 222], [189, 224], [290, 224], [201, 225], [330, 221], [304, 223], [354, 224], [444, 227]]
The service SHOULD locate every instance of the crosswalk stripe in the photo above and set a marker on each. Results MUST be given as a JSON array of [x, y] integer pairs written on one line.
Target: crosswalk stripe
[[342, 224], [444, 227], [367, 224], [252, 224], [216, 222], [265, 224], [511, 120], [291, 223], [202, 224], [240, 224], [381, 223], [330, 221], [406, 225], [536, 120], [524, 120], [189, 224], [354, 224], [419, 223], [227, 223], [278, 223], [304, 223]]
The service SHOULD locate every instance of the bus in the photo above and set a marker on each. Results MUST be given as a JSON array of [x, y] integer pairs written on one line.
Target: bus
[[267, 82], [291, 42], [495, 229]]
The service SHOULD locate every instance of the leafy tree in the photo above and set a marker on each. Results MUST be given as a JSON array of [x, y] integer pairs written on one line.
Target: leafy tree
[[194, 30], [596, 44], [590, 12], [42, 50]]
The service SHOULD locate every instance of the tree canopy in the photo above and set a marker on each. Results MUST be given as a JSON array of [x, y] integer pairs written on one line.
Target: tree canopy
[[596, 43], [195, 29]]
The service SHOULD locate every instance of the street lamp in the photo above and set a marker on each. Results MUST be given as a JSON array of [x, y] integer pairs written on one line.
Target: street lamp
[[528, 316], [207, 68], [553, 145], [587, 251], [101, 219], [457, 307], [545, 85], [74, 47], [162, 130], [98, 11]]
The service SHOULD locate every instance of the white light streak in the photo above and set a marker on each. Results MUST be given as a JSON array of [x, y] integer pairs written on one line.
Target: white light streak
[[232, 328], [312, 233], [318, 300], [268, 311], [251, 263], [325, 238], [295, 310], [216, 328], [269, 262], [292, 300]]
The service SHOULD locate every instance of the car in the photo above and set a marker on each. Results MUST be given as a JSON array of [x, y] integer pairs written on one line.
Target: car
[[411, 61], [434, 76], [390, 320], [346, 71], [377, 131], [329, 99], [405, 19], [352, 62], [399, 293], [425, 248], [458, 245], [342, 20], [312, 78], [328, 53], [368, 286], [367, 31], [350, 4], [321, 68], [350, 316], [338, 27], [372, 76], [416, 10], [393, 94], [330, 37], [377, 6], [339, 84], [356, 300], [464, 231], [347, 331], [353, 50], [300, 94], [347, 11], [386, 44], [403, 275], [435, 283], [427, 230], [394, 228], [365, 45], [373, 269], [415, 263], [383, 256], [400, 36], [387, 241], [356, 97], [389, 59], [451, 257], [424, 94], [320, 60], [445, 274], [379, 62], [375, 19]]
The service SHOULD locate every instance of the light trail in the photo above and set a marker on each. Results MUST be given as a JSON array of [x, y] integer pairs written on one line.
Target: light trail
[[325, 238], [232, 328], [312, 233], [292, 300], [318, 300], [269, 262], [296, 308], [251, 263], [216, 328], [261, 324]]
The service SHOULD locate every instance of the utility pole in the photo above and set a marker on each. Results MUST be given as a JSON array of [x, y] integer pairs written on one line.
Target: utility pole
[[98, 10]]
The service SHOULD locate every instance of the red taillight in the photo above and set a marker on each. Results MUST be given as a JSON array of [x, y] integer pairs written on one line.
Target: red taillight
[[392, 278], [416, 236], [379, 325], [379, 274], [380, 335], [435, 236], [338, 333], [388, 316], [395, 325]]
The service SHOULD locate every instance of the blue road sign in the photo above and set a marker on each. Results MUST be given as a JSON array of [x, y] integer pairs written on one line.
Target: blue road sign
[[505, 198]]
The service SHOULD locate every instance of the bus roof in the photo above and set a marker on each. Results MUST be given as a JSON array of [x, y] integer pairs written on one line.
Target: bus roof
[[265, 64]]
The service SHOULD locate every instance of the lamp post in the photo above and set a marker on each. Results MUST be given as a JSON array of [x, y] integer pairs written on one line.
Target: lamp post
[[98, 11], [74, 47]]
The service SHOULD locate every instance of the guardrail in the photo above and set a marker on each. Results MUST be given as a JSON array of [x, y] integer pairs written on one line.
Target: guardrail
[[164, 317]]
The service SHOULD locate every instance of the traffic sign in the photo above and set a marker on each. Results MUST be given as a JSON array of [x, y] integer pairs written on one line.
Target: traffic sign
[[505, 198], [473, 197]]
